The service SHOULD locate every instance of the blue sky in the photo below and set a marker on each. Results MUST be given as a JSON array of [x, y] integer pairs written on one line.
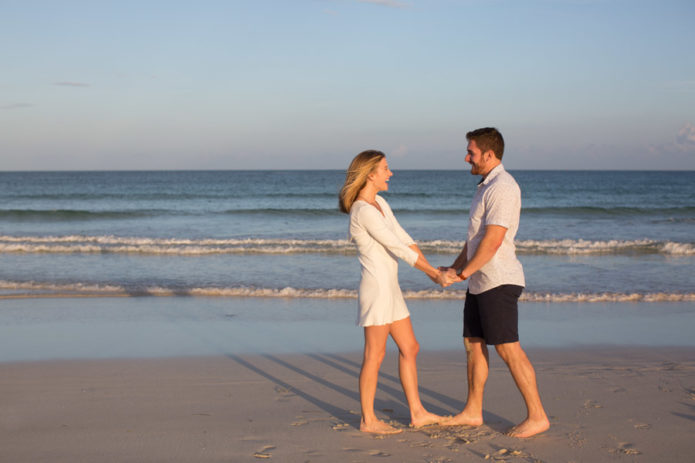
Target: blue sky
[[572, 84]]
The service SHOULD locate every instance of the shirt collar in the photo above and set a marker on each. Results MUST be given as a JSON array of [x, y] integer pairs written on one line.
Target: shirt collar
[[492, 174]]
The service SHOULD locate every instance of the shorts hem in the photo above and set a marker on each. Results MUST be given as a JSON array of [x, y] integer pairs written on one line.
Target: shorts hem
[[492, 343]]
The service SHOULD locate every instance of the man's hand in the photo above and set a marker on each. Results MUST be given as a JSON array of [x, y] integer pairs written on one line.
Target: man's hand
[[452, 272], [452, 275], [446, 278]]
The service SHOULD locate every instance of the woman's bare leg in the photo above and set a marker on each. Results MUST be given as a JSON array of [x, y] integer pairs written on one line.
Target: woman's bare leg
[[408, 347], [374, 351]]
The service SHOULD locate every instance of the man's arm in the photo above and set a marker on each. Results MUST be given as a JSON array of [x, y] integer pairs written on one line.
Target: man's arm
[[491, 242], [458, 265], [461, 260]]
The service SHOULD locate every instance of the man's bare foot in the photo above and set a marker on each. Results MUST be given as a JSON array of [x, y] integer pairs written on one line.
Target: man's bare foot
[[529, 428], [425, 419], [379, 427], [463, 419]]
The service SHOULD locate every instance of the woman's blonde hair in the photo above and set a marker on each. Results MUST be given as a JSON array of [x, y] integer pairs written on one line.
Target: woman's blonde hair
[[356, 177]]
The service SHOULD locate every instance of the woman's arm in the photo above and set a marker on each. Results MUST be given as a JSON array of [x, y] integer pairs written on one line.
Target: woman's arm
[[372, 221], [440, 277]]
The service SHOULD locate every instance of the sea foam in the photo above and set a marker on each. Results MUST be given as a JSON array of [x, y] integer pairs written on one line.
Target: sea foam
[[9, 289], [209, 246]]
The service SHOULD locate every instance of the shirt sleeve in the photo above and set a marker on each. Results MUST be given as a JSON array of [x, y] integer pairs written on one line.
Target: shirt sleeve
[[398, 230], [502, 205], [373, 222]]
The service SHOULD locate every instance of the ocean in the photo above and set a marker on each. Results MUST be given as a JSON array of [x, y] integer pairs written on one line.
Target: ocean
[[584, 235], [142, 264]]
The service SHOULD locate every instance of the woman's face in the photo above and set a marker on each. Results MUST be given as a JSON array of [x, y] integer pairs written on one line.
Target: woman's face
[[381, 175]]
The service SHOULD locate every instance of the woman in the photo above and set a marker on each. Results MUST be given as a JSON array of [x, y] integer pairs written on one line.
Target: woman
[[382, 310]]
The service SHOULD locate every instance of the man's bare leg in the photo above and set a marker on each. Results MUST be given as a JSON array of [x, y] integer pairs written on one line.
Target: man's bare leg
[[374, 352], [408, 348], [524, 375], [477, 366]]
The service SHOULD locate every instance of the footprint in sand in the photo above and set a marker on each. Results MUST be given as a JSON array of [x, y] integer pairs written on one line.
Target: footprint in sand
[[625, 448], [424, 444], [263, 453], [576, 439], [457, 434], [340, 427], [592, 404], [283, 393], [503, 454], [300, 421]]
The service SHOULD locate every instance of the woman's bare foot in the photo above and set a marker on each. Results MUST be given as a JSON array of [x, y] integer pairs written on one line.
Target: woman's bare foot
[[463, 419], [379, 427], [529, 428], [426, 418]]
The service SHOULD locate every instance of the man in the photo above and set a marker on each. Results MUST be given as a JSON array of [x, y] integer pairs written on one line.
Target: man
[[495, 282]]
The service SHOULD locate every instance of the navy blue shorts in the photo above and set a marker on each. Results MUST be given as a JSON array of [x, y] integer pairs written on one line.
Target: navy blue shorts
[[493, 315]]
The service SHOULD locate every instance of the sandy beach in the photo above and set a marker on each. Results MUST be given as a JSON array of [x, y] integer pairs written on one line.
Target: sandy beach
[[605, 404]]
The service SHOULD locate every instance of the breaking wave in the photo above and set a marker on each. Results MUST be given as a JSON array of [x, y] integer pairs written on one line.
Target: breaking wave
[[14, 289], [75, 244]]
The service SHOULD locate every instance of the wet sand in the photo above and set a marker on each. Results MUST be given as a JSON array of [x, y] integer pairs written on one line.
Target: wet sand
[[605, 404]]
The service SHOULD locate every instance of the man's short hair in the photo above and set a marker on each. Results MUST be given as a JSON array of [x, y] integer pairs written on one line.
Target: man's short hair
[[488, 139]]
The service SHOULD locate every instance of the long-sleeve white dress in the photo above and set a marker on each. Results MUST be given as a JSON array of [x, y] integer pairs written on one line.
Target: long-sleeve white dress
[[380, 241]]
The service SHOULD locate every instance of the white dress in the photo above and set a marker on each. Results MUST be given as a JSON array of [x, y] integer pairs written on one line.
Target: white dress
[[380, 241]]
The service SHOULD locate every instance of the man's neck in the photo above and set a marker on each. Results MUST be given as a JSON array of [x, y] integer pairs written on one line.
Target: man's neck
[[492, 167]]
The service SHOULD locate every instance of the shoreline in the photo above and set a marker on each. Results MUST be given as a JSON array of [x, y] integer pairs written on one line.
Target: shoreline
[[604, 403], [161, 327]]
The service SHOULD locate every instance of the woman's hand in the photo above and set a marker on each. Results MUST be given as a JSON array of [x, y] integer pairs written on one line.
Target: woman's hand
[[447, 276]]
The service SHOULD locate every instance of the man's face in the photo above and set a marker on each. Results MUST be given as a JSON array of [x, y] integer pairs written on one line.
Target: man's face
[[477, 159]]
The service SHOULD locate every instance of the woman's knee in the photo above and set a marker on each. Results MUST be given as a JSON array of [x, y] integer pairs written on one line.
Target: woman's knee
[[410, 350], [374, 355]]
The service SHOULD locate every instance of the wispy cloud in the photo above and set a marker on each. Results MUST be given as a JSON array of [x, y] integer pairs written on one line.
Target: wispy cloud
[[16, 106], [388, 3], [685, 140], [71, 84]]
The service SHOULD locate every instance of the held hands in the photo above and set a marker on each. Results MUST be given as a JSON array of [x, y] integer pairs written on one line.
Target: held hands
[[447, 276]]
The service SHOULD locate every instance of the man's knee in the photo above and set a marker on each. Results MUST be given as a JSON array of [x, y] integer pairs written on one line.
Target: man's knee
[[475, 346], [509, 351]]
